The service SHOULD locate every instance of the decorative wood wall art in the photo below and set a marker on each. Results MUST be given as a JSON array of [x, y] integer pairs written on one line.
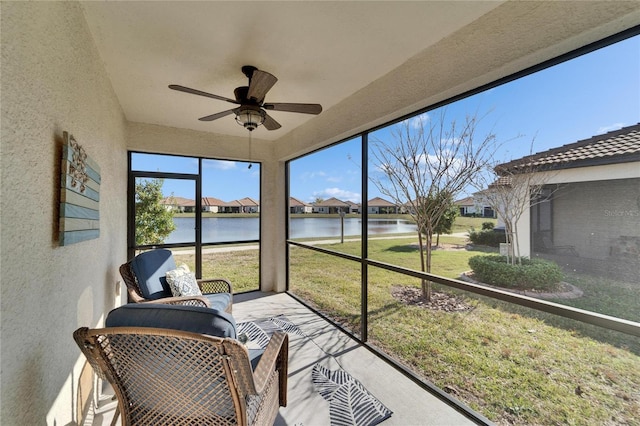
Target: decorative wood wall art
[[79, 194]]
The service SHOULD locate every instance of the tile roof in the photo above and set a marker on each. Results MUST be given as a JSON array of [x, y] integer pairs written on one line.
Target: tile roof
[[247, 201], [178, 201], [614, 147], [294, 202], [331, 202], [211, 201], [464, 202], [380, 202]]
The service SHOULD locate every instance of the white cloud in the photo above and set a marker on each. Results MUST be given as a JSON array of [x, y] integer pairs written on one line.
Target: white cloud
[[451, 141], [419, 121], [312, 175], [220, 164], [340, 194], [605, 129], [334, 179]]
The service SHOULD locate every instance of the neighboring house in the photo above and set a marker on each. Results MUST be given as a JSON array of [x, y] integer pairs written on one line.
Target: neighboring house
[[231, 207], [353, 207], [475, 206], [249, 205], [297, 206], [406, 208], [179, 204], [244, 205], [591, 210], [211, 204], [169, 204], [467, 206], [331, 206], [381, 206]]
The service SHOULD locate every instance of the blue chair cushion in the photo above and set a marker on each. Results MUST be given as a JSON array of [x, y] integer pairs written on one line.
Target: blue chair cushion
[[195, 319], [254, 357], [219, 301], [150, 269]]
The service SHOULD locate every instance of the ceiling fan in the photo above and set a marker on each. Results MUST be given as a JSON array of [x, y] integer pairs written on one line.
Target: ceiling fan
[[251, 112]]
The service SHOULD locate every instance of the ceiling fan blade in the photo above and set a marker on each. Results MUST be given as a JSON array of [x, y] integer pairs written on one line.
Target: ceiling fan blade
[[200, 92], [260, 83], [303, 108], [270, 123], [217, 115]]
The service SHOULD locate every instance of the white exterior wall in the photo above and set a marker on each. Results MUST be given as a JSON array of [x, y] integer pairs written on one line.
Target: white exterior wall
[[53, 81]]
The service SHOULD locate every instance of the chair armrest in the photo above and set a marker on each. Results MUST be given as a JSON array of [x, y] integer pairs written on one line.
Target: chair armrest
[[276, 356], [134, 296], [215, 285], [87, 346], [181, 300]]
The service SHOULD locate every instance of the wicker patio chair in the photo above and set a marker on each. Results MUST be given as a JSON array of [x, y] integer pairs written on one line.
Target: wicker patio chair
[[152, 287], [170, 377]]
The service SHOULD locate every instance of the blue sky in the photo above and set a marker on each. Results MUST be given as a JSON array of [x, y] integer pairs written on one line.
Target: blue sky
[[584, 97]]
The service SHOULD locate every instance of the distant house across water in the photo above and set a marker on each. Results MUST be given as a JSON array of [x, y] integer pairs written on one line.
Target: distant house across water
[[296, 206], [179, 204], [474, 206], [211, 205], [381, 206], [331, 206]]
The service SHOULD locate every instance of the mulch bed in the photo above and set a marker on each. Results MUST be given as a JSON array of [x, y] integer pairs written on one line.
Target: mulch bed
[[439, 301]]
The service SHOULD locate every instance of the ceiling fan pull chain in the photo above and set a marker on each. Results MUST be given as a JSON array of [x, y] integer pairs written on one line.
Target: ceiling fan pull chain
[[250, 137]]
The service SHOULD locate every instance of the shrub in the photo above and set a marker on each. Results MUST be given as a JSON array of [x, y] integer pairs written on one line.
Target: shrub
[[487, 237], [487, 225], [536, 274]]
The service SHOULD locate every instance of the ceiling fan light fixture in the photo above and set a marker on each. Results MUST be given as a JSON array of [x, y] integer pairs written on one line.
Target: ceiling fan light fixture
[[250, 117]]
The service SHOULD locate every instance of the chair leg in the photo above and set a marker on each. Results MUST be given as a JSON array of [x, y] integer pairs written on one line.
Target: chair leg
[[115, 416]]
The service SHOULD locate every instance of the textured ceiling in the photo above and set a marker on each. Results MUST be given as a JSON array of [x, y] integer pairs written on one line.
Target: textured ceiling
[[321, 52]]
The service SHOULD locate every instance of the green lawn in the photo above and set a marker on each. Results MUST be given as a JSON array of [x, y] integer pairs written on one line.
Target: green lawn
[[514, 365], [463, 224]]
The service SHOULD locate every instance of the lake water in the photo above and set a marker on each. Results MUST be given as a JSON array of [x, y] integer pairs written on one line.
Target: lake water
[[221, 229]]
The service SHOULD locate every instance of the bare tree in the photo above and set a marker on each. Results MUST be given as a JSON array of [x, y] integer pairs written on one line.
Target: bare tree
[[427, 163], [511, 189]]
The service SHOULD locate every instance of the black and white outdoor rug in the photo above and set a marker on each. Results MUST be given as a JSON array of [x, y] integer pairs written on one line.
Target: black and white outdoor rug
[[350, 403]]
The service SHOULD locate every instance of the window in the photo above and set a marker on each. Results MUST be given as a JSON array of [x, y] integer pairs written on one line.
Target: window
[[214, 213]]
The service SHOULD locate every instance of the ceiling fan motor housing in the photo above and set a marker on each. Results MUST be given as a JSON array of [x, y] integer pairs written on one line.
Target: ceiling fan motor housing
[[250, 116]]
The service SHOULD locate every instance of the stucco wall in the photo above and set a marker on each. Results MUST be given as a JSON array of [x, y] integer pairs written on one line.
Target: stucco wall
[[53, 81]]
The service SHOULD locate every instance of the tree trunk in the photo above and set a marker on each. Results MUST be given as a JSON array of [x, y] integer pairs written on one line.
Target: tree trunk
[[425, 264], [516, 251], [426, 284], [509, 239]]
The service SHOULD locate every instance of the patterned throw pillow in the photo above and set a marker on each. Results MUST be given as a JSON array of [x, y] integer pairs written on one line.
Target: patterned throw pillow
[[183, 282]]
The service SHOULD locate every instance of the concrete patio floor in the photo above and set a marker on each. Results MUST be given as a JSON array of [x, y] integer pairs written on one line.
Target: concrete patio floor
[[333, 349], [411, 404]]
